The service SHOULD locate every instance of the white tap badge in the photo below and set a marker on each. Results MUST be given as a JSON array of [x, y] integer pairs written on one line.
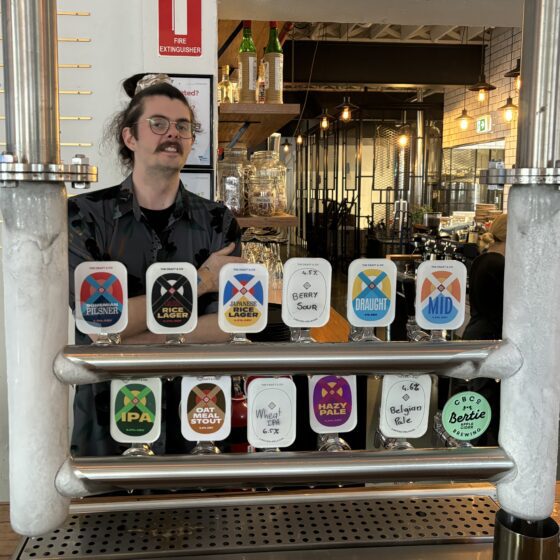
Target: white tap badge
[[101, 297], [171, 298], [205, 408], [135, 410], [271, 412], [441, 288], [405, 405], [371, 292], [243, 306], [306, 294], [332, 403]]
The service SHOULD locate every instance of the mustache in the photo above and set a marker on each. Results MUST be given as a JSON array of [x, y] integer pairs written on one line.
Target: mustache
[[164, 145]]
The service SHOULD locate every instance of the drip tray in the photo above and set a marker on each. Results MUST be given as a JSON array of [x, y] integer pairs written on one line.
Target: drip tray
[[252, 529]]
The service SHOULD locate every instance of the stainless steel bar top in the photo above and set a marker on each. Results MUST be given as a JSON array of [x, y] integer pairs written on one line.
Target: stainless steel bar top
[[88, 475], [90, 364]]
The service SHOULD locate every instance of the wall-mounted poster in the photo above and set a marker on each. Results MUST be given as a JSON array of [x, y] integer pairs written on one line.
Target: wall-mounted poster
[[199, 182], [199, 92]]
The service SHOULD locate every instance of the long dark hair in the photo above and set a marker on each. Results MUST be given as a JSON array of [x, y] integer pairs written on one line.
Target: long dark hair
[[128, 118]]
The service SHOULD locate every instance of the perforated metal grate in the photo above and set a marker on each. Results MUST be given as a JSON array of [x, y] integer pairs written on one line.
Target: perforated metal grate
[[216, 530]]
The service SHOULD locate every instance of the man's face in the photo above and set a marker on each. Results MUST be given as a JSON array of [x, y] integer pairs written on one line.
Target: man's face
[[167, 152]]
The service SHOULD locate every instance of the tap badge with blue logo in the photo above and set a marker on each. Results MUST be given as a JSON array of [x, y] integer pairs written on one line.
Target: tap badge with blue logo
[[243, 298], [371, 295], [371, 292], [243, 294], [101, 296], [440, 297]]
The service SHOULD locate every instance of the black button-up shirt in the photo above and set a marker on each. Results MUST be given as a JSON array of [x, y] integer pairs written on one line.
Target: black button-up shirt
[[109, 225]]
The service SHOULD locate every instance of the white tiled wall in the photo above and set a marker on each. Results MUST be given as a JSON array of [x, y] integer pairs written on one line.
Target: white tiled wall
[[501, 57]]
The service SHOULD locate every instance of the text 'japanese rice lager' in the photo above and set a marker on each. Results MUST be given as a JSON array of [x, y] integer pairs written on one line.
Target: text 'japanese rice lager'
[[274, 66], [247, 77]]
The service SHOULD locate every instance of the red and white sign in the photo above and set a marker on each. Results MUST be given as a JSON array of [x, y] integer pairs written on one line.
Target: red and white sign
[[180, 28]]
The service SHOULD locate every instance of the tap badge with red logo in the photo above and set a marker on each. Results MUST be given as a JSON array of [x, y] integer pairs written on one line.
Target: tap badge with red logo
[[332, 401], [243, 300], [101, 297], [172, 300], [206, 408]]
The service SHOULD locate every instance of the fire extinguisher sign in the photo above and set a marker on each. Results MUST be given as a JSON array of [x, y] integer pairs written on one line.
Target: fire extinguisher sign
[[180, 24]]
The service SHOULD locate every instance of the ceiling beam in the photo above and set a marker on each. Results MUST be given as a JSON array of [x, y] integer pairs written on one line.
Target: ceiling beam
[[438, 32], [378, 29], [409, 31], [388, 63]]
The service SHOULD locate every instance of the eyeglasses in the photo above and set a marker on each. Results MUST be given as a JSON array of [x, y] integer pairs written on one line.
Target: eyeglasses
[[160, 126]]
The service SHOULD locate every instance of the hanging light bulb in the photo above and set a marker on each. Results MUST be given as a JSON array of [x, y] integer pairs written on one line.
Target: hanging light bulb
[[324, 123], [403, 140], [346, 114], [509, 110], [464, 120], [299, 139], [515, 72], [482, 86], [286, 146]]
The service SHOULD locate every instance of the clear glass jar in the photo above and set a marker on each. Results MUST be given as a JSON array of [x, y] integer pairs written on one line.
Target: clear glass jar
[[233, 174], [268, 166], [262, 196]]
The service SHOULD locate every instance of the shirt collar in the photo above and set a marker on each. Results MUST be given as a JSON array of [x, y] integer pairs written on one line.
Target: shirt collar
[[127, 202]]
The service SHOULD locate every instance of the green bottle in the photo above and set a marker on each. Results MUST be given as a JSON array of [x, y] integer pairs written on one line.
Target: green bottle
[[274, 66], [247, 76]]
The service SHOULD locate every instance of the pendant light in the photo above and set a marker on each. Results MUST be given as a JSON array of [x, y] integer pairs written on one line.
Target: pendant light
[[299, 139], [464, 119], [346, 109], [482, 86], [510, 109], [325, 120], [286, 146], [515, 73]]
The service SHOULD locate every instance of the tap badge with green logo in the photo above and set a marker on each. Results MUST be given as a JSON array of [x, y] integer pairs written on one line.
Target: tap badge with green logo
[[135, 409], [466, 415]]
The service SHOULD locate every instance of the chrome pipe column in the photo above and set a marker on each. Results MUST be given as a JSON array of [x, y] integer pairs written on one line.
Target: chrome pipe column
[[418, 194], [530, 400], [90, 475], [468, 359], [35, 265], [29, 31]]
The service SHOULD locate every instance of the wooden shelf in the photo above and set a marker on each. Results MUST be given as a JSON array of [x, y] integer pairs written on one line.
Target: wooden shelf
[[283, 220], [252, 123]]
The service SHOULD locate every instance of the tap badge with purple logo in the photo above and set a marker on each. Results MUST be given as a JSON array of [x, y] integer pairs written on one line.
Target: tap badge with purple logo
[[172, 300], [101, 299], [332, 401], [243, 300]]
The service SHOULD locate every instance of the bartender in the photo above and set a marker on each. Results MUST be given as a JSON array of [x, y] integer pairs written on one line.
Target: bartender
[[150, 217]]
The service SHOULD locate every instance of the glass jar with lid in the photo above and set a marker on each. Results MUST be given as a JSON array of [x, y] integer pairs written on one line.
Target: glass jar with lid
[[262, 196], [268, 166], [233, 174]]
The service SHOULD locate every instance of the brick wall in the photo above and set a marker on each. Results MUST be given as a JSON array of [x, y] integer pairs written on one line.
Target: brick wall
[[501, 57]]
